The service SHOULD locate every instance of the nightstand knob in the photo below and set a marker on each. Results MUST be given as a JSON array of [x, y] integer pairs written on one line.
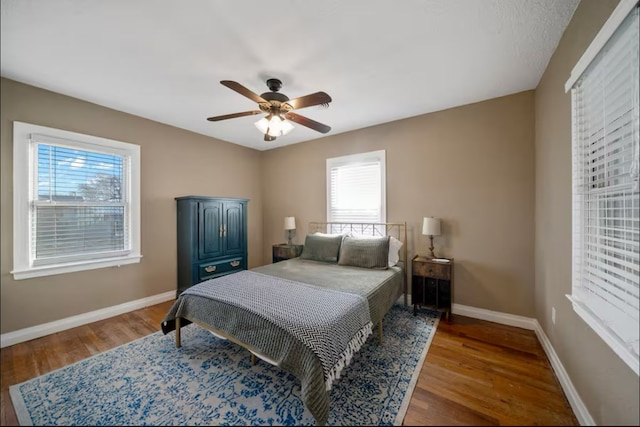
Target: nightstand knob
[[430, 271]]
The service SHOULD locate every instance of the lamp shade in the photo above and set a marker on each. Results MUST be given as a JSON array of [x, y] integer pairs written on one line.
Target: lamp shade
[[431, 226], [289, 223]]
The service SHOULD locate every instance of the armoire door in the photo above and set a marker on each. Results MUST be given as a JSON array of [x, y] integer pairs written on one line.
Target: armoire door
[[233, 225], [210, 230]]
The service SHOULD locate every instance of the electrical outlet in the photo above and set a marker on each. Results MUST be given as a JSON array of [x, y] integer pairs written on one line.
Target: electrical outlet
[[553, 315]]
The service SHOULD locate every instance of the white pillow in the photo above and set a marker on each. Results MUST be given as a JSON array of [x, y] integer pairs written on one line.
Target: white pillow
[[394, 247], [394, 251]]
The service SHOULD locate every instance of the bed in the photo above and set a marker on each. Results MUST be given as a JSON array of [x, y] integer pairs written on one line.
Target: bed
[[307, 315]]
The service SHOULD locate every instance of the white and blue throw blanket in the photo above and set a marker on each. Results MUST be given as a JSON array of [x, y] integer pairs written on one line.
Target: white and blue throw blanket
[[333, 324]]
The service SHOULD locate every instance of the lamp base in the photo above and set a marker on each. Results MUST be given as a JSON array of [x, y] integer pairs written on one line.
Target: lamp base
[[432, 255], [289, 237]]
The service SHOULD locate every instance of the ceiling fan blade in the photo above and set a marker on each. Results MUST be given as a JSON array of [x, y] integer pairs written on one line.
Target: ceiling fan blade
[[243, 91], [304, 121], [309, 100], [234, 115]]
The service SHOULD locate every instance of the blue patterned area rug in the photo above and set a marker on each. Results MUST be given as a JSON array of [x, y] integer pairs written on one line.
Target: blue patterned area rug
[[210, 381]]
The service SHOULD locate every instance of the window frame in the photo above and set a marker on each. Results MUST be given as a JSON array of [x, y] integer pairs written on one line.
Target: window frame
[[24, 168], [379, 156], [624, 8]]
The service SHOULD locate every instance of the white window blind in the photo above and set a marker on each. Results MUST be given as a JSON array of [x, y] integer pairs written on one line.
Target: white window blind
[[76, 202], [80, 208], [356, 188], [606, 191]]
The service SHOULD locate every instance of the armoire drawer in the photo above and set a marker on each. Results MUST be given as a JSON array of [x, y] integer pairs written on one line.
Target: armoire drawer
[[209, 270]]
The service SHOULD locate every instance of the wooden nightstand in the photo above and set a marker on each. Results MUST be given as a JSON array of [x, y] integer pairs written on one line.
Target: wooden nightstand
[[432, 284], [284, 251]]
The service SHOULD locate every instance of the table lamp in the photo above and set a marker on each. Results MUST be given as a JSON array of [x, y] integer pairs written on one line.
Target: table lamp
[[289, 225], [431, 227]]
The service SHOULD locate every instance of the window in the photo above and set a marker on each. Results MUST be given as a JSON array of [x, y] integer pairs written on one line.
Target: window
[[76, 202], [605, 93], [356, 190]]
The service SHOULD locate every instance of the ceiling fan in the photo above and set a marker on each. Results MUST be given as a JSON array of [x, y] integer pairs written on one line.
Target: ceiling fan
[[278, 108]]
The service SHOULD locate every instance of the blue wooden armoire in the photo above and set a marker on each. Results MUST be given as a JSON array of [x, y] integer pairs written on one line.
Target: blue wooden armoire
[[212, 238]]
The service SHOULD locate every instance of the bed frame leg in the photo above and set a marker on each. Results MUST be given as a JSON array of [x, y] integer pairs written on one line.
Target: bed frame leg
[[253, 359], [380, 332], [178, 345]]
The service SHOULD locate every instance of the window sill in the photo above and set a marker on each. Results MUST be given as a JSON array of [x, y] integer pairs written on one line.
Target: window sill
[[609, 337], [49, 270]]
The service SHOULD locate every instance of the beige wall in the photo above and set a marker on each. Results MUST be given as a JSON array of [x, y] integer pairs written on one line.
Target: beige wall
[[174, 163], [607, 386], [435, 167], [472, 166]]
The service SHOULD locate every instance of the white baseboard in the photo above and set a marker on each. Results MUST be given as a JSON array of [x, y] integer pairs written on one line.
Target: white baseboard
[[494, 316], [578, 406], [38, 331], [579, 409]]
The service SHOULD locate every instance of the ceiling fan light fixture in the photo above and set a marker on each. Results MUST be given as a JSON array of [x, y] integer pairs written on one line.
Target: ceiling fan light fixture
[[286, 127], [277, 108], [274, 126]]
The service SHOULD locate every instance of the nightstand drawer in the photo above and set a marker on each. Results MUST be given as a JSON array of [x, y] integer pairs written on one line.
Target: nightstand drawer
[[284, 251], [432, 269]]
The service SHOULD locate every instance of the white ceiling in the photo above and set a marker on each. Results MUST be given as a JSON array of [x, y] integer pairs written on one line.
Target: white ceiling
[[380, 60]]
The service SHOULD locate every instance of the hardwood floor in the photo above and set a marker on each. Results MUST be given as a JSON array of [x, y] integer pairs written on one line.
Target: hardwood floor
[[483, 373], [475, 373]]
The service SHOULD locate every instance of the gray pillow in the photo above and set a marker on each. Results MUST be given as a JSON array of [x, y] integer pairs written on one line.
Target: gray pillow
[[322, 247], [369, 252]]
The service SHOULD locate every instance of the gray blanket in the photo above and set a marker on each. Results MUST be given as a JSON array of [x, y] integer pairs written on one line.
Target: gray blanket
[[381, 288], [333, 324]]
